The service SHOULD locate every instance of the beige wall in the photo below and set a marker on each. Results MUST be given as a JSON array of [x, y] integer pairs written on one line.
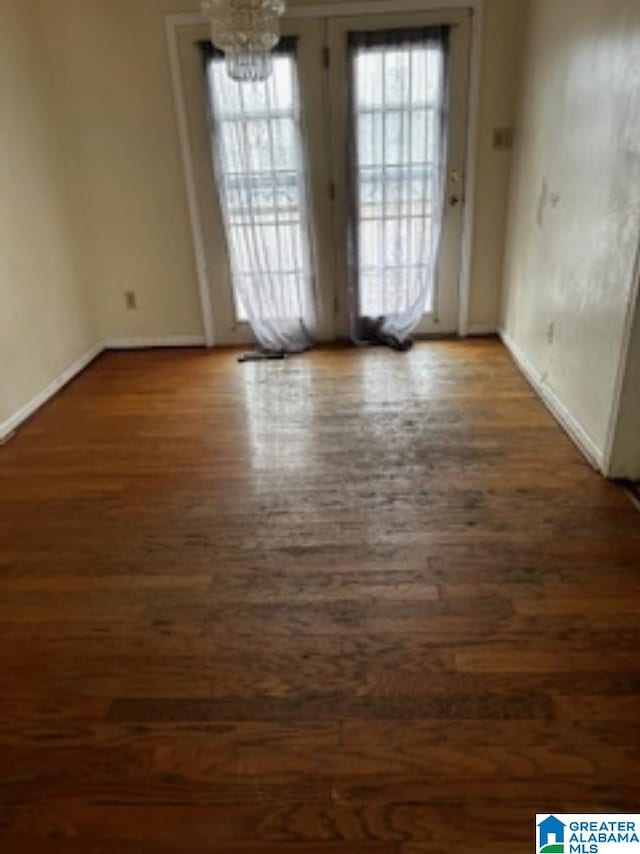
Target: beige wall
[[505, 23], [45, 320], [113, 84], [111, 75], [575, 204]]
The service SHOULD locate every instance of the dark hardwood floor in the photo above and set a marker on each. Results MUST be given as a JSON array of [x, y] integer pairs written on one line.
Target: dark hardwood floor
[[357, 601]]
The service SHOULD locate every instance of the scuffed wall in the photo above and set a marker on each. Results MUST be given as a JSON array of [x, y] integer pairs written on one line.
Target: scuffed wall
[[574, 216]]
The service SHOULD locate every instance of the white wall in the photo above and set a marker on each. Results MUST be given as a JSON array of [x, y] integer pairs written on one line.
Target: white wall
[[575, 205], [45, 320], [625, 450], [113, 84]]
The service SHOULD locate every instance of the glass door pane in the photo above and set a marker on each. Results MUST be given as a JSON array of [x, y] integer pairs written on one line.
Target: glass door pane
[[260, 170], [398, 105]]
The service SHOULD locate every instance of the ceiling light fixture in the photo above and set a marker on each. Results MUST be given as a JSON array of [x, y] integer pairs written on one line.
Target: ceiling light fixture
[[246, 31]]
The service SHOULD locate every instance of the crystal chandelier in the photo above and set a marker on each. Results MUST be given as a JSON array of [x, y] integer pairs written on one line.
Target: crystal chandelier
[[246, 31]]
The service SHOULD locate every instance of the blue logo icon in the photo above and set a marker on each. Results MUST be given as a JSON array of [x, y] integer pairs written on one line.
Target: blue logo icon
[[551, 836]]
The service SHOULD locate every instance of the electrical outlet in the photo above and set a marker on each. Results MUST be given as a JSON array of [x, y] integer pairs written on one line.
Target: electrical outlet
[[503, 139], [131, 300]]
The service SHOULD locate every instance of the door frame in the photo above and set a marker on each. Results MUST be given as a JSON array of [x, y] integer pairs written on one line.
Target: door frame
[[175, 22]]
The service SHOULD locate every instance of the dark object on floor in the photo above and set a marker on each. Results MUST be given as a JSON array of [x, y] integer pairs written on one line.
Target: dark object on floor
[[371, 332], [396, 343], [261, 357]]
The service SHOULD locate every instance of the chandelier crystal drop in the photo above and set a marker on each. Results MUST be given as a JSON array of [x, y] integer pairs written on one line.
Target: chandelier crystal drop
[[246, 31]]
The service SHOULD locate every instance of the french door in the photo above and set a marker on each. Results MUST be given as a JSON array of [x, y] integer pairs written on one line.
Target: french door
[[336, 186], [398, 135], [261, 179]]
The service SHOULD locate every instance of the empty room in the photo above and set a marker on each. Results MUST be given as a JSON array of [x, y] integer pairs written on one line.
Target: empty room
[[319, 426]]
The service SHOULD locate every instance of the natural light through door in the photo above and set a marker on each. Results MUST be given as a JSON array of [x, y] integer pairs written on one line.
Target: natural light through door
[[259, 159], [330, 199], [399, 103]]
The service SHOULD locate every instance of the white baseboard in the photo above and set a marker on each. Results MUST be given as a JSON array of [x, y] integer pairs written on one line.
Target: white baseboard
[[482, 329], [8, 427], [567, 421], [162, 341]]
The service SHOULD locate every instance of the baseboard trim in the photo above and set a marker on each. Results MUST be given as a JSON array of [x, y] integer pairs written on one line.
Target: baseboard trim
[[8, 427], [162, 341], [575, 430]]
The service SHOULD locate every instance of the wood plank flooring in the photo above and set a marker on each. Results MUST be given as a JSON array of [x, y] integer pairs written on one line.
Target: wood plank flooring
[[358, 601]]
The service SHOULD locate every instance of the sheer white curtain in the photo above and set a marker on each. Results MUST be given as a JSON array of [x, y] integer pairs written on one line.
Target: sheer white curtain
[[260, 171], [399, 105]]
